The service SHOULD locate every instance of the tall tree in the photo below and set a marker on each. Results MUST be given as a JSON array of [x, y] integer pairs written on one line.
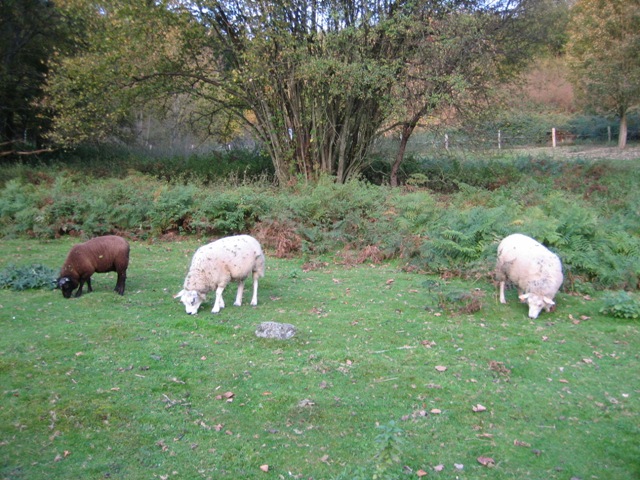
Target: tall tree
[[316, 80], [30, 32], [461, 55], [316, 76], [604, 56]]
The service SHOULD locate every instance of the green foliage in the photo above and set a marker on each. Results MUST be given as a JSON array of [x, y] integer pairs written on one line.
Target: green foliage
[[602, 45], [25, 277], [229, 212], [621, 305], [522, 127], [32, 32], [586, 211], [389, 442], [597, 128], [171, 206]]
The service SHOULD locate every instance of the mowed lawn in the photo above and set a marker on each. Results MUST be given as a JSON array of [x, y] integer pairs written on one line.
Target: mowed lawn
[[133, 388]]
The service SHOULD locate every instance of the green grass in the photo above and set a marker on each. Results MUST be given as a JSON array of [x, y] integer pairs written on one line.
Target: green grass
[[128, 387]]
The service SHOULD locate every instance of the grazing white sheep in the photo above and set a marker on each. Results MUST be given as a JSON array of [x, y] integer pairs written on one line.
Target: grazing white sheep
[[215, 265], [536, 271]]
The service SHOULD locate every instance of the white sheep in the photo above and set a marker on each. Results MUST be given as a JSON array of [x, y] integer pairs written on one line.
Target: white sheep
[[536, 272], [215, 265]]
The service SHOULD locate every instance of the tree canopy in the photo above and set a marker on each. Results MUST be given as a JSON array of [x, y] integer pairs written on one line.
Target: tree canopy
[[31, 31], [315, 80], [604, 55]]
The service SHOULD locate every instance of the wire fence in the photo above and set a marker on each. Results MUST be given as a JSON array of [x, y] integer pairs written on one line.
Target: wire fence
[[499, 140]]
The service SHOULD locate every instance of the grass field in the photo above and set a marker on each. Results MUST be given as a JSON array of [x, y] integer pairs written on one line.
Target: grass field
[[380, 381]]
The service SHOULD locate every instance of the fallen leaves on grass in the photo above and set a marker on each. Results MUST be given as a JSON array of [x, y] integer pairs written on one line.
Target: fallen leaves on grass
[[486, 461], [421, 473], [414, 415], [228, 396], [576, 321], [171, 403], [518, 443], [441, 368], [264, 468], [479, 408], [498, 367], [64, 455], [306, 403]]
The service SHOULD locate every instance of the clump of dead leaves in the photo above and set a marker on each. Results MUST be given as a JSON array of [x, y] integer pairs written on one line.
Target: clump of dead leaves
[[278, 236]]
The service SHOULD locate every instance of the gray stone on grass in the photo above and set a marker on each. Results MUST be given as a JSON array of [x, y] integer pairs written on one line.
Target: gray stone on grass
[[280, 331]]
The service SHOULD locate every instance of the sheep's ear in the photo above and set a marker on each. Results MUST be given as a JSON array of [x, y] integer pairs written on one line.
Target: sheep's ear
[[179, 294], [548, 301], [61, 281], [523, 297]]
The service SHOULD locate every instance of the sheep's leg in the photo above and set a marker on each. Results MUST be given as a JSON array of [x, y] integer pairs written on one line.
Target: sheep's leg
[[254, 298], [238, 301], [502, 299], [122, 278], [219, 303], [79, 291], [88, 285]]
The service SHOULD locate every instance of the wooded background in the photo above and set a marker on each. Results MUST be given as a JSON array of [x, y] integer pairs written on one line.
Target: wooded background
[[314, 83]]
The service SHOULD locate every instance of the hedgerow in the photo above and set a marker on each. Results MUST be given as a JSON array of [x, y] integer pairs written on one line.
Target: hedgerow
[[585, 211]]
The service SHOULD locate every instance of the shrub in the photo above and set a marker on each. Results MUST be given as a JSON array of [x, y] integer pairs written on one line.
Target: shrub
[[621, 305], [584, 211], [171, 207], [27, 276], [230, 212]]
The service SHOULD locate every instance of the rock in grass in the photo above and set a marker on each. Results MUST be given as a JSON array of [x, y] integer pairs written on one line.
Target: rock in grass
[[281, 331]]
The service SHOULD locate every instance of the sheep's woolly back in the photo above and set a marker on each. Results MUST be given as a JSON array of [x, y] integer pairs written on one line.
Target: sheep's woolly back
[[529, 265], [228, 259]]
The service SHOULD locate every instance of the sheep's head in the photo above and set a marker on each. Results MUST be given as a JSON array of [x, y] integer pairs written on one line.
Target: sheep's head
[[191, 300], [67, 285], [536, 303]]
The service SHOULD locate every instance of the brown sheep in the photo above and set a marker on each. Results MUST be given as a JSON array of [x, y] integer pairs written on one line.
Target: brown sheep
[[98, 255]]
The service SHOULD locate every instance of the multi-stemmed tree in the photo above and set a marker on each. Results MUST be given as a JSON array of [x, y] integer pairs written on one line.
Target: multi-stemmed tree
[[315, 80]]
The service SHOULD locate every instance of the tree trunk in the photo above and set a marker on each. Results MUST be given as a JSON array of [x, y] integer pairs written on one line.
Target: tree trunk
[[622, 136], [404, 139]]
